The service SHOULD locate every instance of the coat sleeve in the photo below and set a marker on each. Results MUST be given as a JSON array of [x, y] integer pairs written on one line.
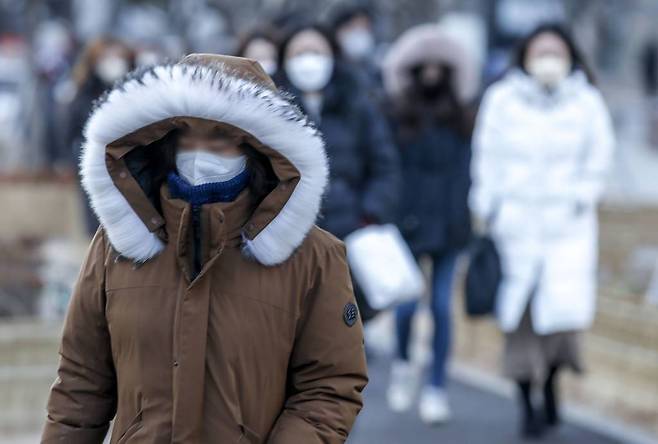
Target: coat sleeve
[[82, 399], [327, 370], [382, 189], [597, 155], [486, 167]]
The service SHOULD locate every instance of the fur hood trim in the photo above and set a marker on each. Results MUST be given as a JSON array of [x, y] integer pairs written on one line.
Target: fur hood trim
[[214, 92], [428, 43]]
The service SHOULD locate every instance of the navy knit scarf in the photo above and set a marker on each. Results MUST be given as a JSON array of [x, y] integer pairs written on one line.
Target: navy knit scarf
[[207, 193]]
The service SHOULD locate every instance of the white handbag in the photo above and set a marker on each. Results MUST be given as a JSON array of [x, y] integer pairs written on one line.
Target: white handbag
[[383, 266]]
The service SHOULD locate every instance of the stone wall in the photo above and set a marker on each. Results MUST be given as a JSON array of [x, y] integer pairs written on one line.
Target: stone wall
[[41, 209]]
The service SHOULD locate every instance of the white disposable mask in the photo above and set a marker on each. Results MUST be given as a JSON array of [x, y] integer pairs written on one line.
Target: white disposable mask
[[549, 70], [310, 72], [200, 167], [269, 66], [111, 68], [357, 43]]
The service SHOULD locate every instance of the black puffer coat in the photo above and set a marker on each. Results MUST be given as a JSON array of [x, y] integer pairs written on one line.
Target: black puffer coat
[[434, 215], [433, 134], [364, 179]]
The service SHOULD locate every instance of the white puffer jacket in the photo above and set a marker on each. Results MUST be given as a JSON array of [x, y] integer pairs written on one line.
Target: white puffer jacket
[[539, 167]]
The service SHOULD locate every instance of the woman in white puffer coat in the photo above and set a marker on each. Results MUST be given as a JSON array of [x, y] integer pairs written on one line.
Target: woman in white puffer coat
[[542, 146]]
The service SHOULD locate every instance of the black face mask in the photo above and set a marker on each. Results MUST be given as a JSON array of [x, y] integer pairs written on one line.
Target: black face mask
[[432, 91]]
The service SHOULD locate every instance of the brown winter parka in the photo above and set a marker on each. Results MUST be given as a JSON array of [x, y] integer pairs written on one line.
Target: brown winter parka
[[265, 344]]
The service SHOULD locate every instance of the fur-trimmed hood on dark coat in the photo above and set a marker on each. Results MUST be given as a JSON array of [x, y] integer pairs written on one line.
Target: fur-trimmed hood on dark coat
[[423, 44]]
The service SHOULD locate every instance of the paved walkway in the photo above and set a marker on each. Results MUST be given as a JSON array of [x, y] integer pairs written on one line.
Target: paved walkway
[[479, 418]]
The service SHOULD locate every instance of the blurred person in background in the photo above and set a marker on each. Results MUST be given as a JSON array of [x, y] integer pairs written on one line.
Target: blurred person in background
[[209, 26], [148, 54], [102, 62], [509, 22], [355, 32], [430, 80], [262, 45], [149, 32], [53, 51], [542, 146], [207, 182], [364, 174], [21, 118]]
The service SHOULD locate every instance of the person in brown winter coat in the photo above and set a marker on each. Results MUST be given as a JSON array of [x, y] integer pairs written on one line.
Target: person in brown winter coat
[[210, 308]]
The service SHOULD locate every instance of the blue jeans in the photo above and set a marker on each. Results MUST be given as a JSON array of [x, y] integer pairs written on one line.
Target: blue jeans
[[443, 273]]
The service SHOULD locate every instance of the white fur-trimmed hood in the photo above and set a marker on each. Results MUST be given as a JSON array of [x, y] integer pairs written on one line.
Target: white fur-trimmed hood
[[213, 92], [428, 43]]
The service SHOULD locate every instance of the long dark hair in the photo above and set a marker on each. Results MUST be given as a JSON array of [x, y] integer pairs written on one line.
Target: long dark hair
[[578, 62], [445, 109]]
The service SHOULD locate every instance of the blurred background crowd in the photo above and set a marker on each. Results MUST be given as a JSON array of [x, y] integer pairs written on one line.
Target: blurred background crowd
[[413, 98]]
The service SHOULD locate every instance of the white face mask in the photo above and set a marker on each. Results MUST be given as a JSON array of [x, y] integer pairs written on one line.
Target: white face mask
[[357, 43], [111, 68], [549, 70], [200, 167], [310, 72]]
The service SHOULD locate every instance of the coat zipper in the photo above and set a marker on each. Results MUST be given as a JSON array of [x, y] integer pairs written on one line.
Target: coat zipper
[[196, 235]]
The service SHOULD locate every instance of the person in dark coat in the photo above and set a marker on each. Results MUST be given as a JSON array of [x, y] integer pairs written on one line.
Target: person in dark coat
[[261, 44], [101, 63], [424, 76], [355, 31], [364, 167]]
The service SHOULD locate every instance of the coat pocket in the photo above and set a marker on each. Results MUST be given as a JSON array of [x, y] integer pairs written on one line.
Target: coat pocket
[[249, 436], [132, 428]]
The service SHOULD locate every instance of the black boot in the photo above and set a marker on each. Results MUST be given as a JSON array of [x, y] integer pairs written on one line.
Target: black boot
[[551, 404], [532, 425]]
